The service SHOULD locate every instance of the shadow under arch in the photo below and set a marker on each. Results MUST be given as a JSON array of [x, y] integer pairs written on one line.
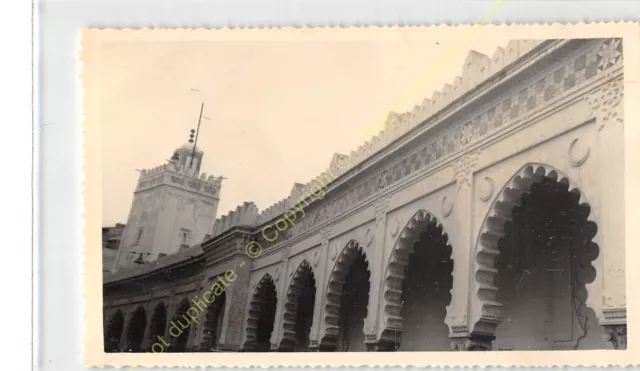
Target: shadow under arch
[[261, 316], [158, 323], [302, 288], [214, 315], [182, 323], [334, 292], [135, 330], [396, 270], [113, 332], [483, 326]]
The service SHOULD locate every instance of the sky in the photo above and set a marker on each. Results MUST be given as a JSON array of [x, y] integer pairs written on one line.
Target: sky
[[280, 102]]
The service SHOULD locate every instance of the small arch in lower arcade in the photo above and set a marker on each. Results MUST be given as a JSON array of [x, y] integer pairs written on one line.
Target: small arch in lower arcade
[[213, 323], [158, 323], [180, 328], [113, 332], [135, 331]]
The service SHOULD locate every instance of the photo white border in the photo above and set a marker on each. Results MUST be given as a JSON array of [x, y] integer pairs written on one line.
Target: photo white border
[[57, 274]]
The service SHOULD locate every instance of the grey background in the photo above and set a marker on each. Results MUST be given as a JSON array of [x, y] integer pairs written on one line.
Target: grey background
[[57, 254]]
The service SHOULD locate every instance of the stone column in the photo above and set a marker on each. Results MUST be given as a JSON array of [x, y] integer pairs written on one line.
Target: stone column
[[236, 301], [172, 306], [146, 338], [606, 106], [321, 269], [374, 321], [457, 211], [125, 328], [281, 279], [198, 328]]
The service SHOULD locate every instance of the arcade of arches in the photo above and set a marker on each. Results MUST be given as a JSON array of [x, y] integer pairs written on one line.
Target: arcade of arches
[[484, 230]]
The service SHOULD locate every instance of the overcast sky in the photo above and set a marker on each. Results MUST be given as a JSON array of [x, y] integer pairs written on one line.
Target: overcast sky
[[280, 102]]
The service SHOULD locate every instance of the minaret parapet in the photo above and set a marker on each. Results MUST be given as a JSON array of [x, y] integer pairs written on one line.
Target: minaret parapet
[[179, 176]]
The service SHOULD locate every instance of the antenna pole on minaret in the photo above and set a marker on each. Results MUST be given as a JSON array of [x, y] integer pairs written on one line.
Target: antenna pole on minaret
[[193, 153]]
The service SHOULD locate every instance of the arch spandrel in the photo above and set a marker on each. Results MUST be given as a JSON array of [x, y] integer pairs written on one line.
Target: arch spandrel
[[486, 310]]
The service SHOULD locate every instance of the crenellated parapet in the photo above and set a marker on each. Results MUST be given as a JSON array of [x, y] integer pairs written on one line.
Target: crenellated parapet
[[244, 215], [181, 177], [477, 68]]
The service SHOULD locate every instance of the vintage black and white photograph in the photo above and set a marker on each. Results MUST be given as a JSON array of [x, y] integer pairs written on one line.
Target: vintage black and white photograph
[[359, 190]]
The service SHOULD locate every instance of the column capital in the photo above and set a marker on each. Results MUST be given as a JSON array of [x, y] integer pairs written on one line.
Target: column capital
[[617, 335], [382, 346], [471, 343]]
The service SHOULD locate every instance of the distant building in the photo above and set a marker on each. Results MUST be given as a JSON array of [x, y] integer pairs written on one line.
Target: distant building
[[110, 242]]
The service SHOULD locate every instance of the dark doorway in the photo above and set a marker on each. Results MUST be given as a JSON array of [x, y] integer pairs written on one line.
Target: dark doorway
[[426, 292], [267, 299], [353, 305], [543, 267], [213, 323]]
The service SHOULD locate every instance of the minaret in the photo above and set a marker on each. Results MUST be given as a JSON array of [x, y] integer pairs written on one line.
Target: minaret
[[174, 207]]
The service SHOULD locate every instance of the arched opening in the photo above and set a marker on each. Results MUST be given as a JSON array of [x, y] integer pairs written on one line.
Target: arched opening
[[213, 323], [298, 310], [135, 331], [181, 327], [261, 316], [347, 300], [535, 259], [158, 323], [418, 287], [113, 332]]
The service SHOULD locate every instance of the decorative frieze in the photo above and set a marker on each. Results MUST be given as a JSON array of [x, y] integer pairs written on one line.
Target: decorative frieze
[[575, 72]]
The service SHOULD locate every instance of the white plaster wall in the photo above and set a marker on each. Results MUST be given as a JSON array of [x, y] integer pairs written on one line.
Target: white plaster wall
[[182, 209]]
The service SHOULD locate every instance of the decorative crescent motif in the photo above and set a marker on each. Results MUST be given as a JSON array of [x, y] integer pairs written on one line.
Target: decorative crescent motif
[[486, 197], [580, 161], [395, 227], [334, 252], [369, 237], [316, 258], [446, 211]]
